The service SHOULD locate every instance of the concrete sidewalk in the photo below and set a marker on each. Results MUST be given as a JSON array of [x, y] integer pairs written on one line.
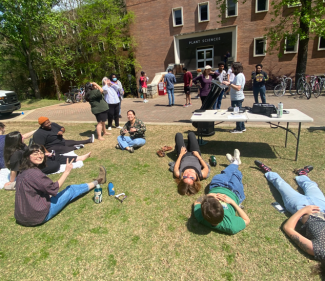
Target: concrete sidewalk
[[157, 111]]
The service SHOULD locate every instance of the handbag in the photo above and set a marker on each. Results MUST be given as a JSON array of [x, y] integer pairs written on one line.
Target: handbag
[[263, 109]]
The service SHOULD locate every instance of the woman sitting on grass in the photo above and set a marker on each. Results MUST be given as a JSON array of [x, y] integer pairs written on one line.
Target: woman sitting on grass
[[309, 209], [136, 128], [189, 168], [13, 154], [37, 198]]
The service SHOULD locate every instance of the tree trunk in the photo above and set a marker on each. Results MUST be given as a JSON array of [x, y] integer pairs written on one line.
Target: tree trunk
[[303, 44], [57, 88]]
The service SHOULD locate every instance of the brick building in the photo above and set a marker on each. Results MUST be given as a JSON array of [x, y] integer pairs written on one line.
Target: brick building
[[186, 32]]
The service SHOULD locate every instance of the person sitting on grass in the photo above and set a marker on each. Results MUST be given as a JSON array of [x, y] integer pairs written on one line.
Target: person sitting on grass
[[308, 208], [37, 198], [13, 154], [217, 209], [50, 135], [136, 128], [189, 168]]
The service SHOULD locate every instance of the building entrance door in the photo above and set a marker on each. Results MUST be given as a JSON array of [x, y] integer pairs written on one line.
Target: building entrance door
[[204, 57]]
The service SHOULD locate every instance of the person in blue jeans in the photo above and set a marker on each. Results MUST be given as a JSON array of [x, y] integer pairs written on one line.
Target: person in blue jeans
[[37, 197], [217, 210], [222, 77], [259, 77], [170, 80], [308, 208]]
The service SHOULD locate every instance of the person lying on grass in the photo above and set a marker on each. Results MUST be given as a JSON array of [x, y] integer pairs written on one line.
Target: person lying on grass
[[217, 209], [308, 208], [37, 198], [189, 168]]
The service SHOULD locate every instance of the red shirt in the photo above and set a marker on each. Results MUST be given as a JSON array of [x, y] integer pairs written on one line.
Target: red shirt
[[187, 78], [143, 81]]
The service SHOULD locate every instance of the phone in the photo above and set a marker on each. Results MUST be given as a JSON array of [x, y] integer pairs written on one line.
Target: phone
[[277, 206]]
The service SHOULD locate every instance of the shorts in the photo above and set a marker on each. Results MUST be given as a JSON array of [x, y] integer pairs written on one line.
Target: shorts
[[144, 90], [102, 116], [187, 90]]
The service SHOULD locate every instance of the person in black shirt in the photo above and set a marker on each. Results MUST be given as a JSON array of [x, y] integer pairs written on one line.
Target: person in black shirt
[[259, 77], [50, 135]]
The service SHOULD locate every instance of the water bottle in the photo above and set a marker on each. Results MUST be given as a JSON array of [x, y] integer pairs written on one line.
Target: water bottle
[[98, 194], [280, 109], [236, 109], [213, 161], [22, 113], [111, 190]]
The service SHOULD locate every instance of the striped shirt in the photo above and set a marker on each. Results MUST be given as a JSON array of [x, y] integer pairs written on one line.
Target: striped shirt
[[110, 94]]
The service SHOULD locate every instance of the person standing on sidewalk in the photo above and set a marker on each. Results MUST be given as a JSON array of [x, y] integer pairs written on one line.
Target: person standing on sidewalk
[[222, 77], [259, 77], [198, 73], [120, 94], [187, 86], [144, 87], [170, 80], [231, 78]]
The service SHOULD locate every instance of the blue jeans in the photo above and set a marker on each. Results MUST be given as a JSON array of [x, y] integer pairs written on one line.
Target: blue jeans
[[171, 96], [239, 125], [261, 90], [292, 199], [230, 178], [125, 141], [65, 196], [217, 104]]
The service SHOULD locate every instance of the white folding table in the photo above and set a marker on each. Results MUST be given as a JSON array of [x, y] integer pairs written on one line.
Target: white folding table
[[221, 115]]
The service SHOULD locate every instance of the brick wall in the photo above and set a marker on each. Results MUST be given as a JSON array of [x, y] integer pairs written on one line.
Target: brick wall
[[153, 30]]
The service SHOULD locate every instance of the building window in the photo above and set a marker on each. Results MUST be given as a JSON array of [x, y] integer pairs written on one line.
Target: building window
[[261, 6], [321, 43], [231, 10], [294, 3], [291, 44], [203, 10], [178, 16], [259, 47]]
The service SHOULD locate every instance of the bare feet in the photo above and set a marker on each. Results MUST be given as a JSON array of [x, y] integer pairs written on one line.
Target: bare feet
[[83, 157], [101, 139], [107, 133]]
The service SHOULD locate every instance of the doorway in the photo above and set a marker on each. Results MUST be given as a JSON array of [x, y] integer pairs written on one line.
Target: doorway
[[204, 57]]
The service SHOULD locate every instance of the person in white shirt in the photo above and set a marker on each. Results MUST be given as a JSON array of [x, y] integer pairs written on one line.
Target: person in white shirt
[[231, 77], [222, 77]]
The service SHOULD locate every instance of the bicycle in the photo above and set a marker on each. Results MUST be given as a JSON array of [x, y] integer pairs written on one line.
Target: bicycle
[[315, 86], [303, 87], [322, 84], [280, 89], [71, 97]]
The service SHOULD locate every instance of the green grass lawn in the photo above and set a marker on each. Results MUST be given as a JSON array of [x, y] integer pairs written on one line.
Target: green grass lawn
[[30, 104], [152, 234]]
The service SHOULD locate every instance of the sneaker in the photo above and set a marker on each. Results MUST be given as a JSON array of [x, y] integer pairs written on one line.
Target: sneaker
[[11, 186], [109, 128], [145, 101], [131, 149], [244, 130], [236, 132], [92, 138], [120, 116], [229, 158], [185, 105], [237, 156], [77, 147], [117, 146], [102, 175], [263, 167], [189, 104], [304, 171], [119, 127]]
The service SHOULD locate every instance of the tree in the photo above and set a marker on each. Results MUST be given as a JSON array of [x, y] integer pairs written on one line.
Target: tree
[[19, 21]]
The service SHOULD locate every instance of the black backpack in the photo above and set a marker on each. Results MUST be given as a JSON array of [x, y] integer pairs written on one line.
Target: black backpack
[[263, 109]]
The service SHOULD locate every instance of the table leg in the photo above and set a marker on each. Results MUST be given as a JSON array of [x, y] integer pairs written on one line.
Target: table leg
[[298, 139], [200, 135], [286, 135]]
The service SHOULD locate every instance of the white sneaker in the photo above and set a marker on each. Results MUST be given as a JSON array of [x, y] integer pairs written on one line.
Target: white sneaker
[[229, 158], [244, 130], [92, 138], [109, 128], [236, 132], [119, 127], [237, 156], [145, 101]]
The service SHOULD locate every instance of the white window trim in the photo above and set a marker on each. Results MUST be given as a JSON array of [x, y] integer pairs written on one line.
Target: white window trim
[[295, 48], [227, 10], [292, 6], [320, 49], [175, 9], [267, 7], [198, 11], [265, 42]]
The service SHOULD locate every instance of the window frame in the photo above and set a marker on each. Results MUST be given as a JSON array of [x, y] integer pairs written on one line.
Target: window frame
[[295, 47], [199, 14], [265, 44], [236, 9], [319, 38], [174, 22], [256, 5]]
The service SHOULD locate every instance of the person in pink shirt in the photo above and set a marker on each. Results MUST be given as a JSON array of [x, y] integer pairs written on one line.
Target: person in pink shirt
[[144, 87], [187, 86]]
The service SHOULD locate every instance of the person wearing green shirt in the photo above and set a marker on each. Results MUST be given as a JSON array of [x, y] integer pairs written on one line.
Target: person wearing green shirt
[[217, 209], [99, 107]]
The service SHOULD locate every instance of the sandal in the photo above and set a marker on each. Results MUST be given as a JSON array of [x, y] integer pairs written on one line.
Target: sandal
[[161, 153], [166, 148]]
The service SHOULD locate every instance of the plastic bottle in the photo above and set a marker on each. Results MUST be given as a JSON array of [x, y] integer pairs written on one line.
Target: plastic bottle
[[213, 161], [236, 109], [280, 109], [98, 194], [111, 190]]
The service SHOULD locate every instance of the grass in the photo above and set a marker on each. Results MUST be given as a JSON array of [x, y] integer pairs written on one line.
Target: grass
[[152, 234], [31, 104]]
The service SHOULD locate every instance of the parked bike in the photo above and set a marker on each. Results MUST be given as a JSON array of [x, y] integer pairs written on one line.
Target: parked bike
[[303, 87], [280, 89]]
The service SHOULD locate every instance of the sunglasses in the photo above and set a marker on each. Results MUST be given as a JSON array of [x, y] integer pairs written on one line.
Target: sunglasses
[[186, 177]]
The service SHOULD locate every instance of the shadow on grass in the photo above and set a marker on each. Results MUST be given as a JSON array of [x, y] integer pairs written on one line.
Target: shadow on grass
[[195, 227], [87, 133], [312, 129], [11, 116]]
